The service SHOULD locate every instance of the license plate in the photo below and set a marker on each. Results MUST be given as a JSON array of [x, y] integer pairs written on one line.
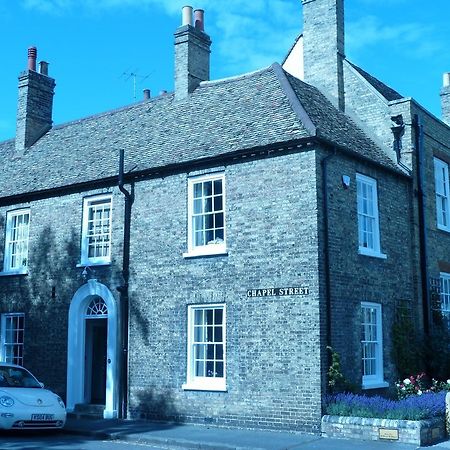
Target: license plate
[[42, 416]]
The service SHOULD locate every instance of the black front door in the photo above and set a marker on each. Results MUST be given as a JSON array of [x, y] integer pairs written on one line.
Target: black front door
[[96, 345]]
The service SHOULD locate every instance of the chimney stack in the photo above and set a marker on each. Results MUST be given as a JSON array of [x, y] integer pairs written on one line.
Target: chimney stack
[[146, 94], [35, 103], [323, 47], [192, 50], [445, 98]]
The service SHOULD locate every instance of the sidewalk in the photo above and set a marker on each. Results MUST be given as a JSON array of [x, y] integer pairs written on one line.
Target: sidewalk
[[215, 438]]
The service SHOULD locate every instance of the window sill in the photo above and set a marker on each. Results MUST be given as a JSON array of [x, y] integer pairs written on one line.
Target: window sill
[[375, 385], [443, 228], [217, 387], [365, 252], [210, 250], [14, 273], [93, 264]]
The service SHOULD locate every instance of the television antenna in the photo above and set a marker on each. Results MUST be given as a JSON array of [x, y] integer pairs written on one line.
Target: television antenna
[[134, 76]]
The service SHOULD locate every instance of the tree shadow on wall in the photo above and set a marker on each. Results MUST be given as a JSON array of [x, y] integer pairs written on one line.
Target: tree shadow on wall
[[151, 405]]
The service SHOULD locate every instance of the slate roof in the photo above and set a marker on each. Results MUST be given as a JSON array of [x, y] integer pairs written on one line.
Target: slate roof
[[219, 117], [387, 92]]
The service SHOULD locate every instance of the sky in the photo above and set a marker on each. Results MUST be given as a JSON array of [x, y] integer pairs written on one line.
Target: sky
[[94, 46]]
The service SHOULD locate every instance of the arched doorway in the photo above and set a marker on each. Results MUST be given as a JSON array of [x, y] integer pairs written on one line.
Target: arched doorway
[[92, 354]]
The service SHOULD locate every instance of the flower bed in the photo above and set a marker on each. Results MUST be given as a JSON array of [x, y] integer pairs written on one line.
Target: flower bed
[[418, 407], [418, 419]]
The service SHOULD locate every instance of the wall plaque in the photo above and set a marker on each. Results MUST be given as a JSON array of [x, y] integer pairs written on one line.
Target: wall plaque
[[278, 292], [389, 434]]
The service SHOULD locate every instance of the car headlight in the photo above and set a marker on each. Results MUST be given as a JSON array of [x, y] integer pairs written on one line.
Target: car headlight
[[6, 401], [61, 402]]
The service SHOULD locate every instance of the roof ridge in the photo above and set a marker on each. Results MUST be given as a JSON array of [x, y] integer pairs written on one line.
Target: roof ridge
[[294, 101], [241, 76]]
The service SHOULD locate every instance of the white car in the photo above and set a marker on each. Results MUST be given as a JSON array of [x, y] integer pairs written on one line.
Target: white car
[[25, 404]]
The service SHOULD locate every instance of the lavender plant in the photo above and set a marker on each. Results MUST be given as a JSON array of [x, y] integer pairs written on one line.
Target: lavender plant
[[425, 406]]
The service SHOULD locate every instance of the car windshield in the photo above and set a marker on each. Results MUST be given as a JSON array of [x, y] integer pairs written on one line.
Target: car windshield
[[17, 377]]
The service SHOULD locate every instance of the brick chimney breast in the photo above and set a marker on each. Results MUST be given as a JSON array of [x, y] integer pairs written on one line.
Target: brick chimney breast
[[35, 104], [323, 47], [192, 54]]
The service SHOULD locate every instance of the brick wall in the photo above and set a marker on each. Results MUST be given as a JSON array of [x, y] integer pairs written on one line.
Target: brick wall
[[273, 344]]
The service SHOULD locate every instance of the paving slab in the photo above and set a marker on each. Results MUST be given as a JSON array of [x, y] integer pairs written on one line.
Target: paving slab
[[217, 438]]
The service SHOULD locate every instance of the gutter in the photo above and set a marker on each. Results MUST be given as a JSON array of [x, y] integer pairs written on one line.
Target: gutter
[[419, 137], [123, 290]]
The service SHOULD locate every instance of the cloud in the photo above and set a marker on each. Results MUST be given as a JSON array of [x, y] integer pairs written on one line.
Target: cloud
[[252, 33], [413, 39]]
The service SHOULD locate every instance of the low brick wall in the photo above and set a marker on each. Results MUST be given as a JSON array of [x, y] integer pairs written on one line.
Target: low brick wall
[[420, 432]]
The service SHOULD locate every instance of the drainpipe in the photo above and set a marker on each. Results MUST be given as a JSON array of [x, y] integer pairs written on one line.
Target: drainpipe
[[123, 290], [419, 135], [326, 250]]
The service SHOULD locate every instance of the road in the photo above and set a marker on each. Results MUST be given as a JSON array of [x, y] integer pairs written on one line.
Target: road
[[59, 441]]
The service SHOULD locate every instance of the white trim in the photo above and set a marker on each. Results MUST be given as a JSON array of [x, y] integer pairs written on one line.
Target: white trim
[[375, 385], [376, 380], [85, 259], [367, 252], [7, 269], [441, 189], [445, 294], [208, 249], [375, 250], [76, 348], [204, 383]]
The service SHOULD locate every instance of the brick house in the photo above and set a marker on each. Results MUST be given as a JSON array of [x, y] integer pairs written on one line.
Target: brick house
[[190, 257]]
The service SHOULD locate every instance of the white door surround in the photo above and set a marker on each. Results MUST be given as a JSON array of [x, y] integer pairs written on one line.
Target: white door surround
[[77, 346]]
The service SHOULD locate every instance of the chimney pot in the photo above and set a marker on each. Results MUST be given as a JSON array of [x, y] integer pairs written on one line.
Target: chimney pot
[[199, 19], [446, 79], [32, 55], [43, 68], [146, 94], [187, 15], [162, 92]]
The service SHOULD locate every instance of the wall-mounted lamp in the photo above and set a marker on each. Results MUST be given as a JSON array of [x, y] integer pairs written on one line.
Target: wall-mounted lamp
[[87, 273], [345, 181]]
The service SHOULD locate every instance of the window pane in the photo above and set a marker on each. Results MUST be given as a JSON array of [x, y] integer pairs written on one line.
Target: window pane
[[209, 316], [217, 187], [209, 221], [218, 334], [200, 368], [218, 316], [207, 188], [207, 204], [218, 203], [210, 351], [198, 206], [197, 190], [198, 317], [199, 334]]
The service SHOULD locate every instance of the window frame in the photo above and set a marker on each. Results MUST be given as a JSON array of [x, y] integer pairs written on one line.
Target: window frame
[[444, 279], [3, 353], [206, 249], [376, 249], [7, 260], [96, 260], [441, 215], [198, 383], [375, 380]]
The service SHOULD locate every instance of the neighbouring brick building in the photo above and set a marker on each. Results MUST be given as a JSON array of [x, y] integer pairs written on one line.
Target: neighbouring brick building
[[190, 257]]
